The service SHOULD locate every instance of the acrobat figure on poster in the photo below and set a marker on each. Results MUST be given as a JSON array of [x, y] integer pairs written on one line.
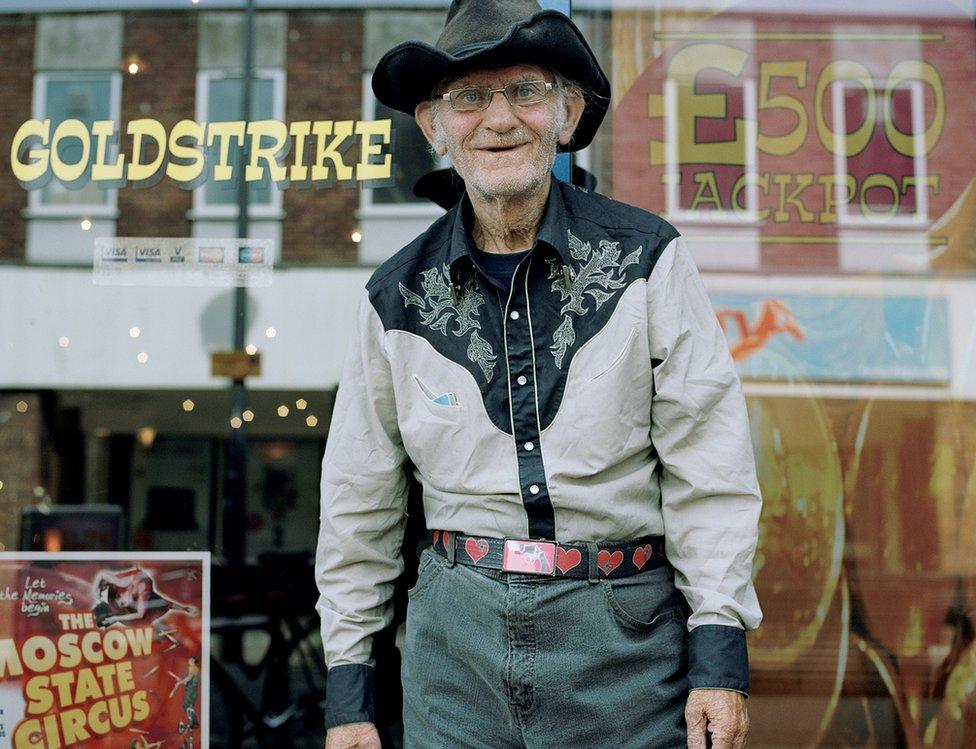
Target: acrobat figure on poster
[[131, 596], [191, 690]]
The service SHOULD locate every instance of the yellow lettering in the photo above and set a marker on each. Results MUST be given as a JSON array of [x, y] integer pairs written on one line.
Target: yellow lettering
[[224, 131], [278, 133], [835, 138], [300, 131], [783, 145], [339, 131], [186, 174], [32, 169], [65, 172], [103, 130], [40, 699], [803, 181], [884, 182], [685, 67], [706, 181], [835, 192], [366, 130], [140, 129], [914, 70]]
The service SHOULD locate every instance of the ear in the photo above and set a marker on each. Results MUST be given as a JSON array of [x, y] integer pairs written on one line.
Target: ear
[[574, 111], [424, 115]]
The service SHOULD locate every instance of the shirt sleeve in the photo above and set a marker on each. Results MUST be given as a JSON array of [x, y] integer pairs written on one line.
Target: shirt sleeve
[[363, 517], [710, 496]]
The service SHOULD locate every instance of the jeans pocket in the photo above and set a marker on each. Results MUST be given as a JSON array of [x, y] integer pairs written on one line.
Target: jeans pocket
[[431, 564], [644, 601]]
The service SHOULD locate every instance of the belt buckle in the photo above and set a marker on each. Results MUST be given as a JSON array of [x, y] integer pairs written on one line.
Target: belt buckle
[[529, 556]]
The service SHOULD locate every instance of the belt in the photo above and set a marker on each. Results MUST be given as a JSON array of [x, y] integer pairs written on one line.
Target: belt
[[532, 556]]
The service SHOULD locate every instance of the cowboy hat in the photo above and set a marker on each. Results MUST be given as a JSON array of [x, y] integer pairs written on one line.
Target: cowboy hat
[[491, 34]]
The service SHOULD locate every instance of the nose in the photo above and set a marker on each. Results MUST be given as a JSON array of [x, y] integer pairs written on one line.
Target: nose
[[500, 115]]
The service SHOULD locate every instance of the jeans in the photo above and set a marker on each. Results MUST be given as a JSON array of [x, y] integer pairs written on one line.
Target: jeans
[[493, 660]]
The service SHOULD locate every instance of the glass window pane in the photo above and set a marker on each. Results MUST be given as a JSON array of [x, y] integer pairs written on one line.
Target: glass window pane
[[412, 159], [224, 104], [85, 99]]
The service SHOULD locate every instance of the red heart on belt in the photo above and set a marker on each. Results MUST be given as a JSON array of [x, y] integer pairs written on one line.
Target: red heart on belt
[[445, 539], [437, 535], [476, 548], [566, 559], [642, 554], [609, 562]]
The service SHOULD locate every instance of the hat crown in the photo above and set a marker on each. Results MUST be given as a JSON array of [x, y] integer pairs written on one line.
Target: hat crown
[[474, 23]]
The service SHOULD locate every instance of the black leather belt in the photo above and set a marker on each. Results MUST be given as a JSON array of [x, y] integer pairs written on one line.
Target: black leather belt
[[552, 559]]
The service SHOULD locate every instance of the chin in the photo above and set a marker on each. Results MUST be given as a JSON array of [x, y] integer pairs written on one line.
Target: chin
[[507, 184]]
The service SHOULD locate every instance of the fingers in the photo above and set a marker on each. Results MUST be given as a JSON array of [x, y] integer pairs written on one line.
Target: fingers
[[720, 715], [697, 722]]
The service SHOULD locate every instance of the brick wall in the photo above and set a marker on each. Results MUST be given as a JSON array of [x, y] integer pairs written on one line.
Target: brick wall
[[16, 86], [165, 47], [324, 69]]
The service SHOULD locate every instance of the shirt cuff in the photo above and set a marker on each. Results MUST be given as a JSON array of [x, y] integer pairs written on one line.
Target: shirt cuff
[[349, 695], [718, 658]]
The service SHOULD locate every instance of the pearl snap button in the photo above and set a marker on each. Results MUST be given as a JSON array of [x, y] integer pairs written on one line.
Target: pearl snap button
[[521, 380], [534, 489], [514, 315], [529, 446]]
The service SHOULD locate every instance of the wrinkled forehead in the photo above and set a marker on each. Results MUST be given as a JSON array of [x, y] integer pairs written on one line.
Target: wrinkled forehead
[[499, 76]]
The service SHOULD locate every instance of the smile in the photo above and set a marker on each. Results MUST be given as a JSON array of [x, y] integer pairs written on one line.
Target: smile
[[502, 149]]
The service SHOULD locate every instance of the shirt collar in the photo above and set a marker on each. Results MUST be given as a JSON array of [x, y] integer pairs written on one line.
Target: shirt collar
[[552, 231]]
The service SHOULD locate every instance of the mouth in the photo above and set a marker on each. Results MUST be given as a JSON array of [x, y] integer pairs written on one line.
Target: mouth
[[502, 149]]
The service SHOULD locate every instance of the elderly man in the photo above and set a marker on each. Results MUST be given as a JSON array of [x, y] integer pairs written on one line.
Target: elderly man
[[546, 362]]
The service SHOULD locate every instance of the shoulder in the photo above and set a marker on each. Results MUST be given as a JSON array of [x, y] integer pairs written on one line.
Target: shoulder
[[592, 216], [429, 250], [612, 215], [404, 263]]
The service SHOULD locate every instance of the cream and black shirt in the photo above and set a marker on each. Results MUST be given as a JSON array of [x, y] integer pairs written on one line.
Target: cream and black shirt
[[593, 399]]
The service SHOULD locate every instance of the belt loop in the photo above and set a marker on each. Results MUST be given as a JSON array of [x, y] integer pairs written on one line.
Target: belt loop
[[592, 550], [451, 548]]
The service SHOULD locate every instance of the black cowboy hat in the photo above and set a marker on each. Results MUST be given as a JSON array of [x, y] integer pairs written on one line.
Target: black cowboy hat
[[491, 34]]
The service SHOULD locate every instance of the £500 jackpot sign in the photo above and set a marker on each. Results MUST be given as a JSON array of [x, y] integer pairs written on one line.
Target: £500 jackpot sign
[[797, 124], [103, 650]]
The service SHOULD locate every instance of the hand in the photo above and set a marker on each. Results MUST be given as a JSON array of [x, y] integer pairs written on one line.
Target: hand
[[353, 736], [720, 712]]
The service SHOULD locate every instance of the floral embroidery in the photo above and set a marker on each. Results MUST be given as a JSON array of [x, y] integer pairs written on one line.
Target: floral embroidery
[[438, 310], [598, 277]]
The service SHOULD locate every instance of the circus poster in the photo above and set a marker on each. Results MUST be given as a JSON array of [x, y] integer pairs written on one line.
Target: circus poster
[[104, 650]]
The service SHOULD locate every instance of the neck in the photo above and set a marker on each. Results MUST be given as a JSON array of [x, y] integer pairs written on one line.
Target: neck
[[508, 223]]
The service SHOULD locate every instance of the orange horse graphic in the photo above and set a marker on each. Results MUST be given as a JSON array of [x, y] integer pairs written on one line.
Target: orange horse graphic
[[774, 317]]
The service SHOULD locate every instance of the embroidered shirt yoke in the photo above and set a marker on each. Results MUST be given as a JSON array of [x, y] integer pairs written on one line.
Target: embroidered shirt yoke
[[593, 400]]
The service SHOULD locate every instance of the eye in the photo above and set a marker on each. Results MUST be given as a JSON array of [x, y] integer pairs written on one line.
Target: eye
[[468, 96]]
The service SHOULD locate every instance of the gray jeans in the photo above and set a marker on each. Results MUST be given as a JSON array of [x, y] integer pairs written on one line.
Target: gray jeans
[[494, 660]]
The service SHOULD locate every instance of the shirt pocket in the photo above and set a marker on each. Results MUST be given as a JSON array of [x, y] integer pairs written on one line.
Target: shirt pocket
[[617, 360], [440, 404]]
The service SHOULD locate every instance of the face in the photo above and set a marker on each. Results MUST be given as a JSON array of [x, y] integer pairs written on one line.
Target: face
[[504, 150]]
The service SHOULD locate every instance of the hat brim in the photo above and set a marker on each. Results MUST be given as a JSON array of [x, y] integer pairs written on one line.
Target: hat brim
[[407, 74]]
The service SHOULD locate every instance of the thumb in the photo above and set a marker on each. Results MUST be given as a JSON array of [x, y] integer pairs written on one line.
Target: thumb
[[696, 729]]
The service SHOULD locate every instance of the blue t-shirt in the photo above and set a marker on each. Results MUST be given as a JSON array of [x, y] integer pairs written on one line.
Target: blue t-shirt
[[499, 265]]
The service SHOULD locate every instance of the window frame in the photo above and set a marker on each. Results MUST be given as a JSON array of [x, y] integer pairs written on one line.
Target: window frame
[[202, 210], [855, 220], [672, 167], [370, 209], [37, 207]]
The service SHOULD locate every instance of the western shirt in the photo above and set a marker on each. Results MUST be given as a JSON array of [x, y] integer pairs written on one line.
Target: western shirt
[[593, 399]]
